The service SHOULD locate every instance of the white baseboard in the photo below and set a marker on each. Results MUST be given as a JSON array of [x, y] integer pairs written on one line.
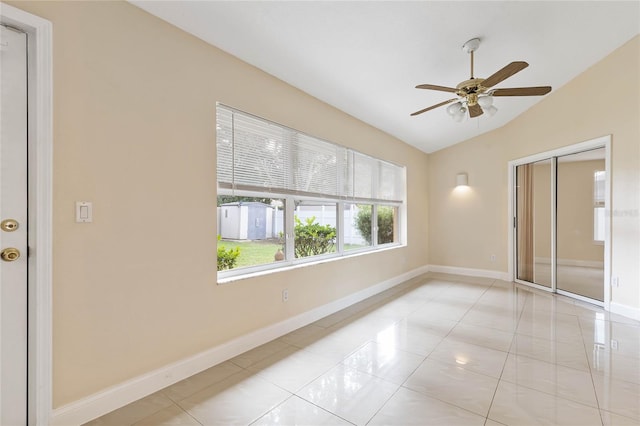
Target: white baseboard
[[625, 310], [103, 402], [484, 273]]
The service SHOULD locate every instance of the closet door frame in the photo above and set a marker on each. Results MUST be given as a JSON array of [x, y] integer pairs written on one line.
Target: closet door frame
[[600, 142]]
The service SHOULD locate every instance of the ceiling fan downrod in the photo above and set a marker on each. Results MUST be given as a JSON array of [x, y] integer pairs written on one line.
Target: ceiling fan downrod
[[470, 47]]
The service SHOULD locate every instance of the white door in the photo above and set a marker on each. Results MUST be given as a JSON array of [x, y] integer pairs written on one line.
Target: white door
[[13, 227]]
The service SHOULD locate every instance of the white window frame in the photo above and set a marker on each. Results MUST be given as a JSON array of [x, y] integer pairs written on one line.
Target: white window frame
[[289, 238]]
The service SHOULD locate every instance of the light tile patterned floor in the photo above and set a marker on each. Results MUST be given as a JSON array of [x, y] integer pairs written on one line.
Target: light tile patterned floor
[[438, 350]]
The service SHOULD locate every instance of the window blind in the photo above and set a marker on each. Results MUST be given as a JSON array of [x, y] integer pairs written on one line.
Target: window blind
[[255, 154]]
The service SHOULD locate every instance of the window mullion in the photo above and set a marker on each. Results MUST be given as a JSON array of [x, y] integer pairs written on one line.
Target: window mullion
[[374, 225], [288, 226], [340, 228]]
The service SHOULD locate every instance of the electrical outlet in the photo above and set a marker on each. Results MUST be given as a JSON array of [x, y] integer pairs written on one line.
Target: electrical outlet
[[614, 345], [616, 282], [285, 295], [493, 257]]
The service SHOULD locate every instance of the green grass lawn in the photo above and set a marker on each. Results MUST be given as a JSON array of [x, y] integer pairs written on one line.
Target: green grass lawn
[[254, 253]]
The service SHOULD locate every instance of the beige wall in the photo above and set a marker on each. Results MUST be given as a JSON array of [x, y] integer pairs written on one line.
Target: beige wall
[[465, 231], [134, 132]]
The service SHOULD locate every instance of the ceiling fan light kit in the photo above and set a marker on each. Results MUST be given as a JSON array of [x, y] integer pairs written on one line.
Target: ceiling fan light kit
[[475, 96], [485, 101], [454, 108]]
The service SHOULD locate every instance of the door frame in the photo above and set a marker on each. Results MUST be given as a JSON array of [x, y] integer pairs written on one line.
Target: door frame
[[40, 189], [599, 142]]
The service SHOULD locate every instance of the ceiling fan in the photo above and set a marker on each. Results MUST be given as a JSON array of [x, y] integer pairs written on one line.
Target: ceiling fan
[[475, 95]]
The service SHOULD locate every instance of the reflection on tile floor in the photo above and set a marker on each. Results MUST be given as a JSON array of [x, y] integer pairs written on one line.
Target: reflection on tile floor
[[441, 350]]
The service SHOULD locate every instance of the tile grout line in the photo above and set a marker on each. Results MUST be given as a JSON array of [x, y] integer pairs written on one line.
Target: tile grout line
[[513, 338], [593, 384]]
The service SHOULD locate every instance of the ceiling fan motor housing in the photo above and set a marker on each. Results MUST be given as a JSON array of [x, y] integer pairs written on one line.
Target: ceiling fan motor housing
[[470, 89]]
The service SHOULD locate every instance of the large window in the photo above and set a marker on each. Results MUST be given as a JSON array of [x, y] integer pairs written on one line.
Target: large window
[[299, 197]]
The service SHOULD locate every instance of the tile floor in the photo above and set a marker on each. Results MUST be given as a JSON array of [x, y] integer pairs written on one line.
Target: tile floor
[[438, 350]]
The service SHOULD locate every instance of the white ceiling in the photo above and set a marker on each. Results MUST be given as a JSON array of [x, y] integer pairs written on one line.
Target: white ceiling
[[366, 57]]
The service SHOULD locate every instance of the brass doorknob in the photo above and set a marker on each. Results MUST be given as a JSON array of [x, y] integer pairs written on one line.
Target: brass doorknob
[[9, 225], [10, 254]]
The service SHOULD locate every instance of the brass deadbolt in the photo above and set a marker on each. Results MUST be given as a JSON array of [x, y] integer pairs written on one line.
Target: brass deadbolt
[[9, 225], [10, 254]]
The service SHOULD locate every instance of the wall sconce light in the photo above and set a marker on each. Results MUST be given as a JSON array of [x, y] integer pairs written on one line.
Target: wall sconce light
[[462, 179]]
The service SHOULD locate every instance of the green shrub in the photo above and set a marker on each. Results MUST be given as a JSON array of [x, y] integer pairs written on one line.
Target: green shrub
[[227, 258], [385, 223], [312, 238]]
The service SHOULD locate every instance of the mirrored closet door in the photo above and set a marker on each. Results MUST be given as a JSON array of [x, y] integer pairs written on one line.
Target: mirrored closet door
[[580, 223], [560, 224], [533, 203]]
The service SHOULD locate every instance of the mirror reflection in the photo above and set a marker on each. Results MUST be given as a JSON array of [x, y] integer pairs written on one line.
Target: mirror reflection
[[580, 223], [577, 182]]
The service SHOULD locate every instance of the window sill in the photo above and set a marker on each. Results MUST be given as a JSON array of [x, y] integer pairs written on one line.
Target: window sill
[[303, 264]]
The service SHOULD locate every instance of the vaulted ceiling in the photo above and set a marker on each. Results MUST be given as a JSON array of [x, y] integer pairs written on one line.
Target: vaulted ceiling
[[366, 57]]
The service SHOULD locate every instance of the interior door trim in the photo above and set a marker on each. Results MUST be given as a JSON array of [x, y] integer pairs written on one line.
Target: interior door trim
[[599, 142], [40, 167]]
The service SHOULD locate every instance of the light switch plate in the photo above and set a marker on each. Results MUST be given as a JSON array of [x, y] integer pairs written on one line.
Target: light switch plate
[[84, 212]]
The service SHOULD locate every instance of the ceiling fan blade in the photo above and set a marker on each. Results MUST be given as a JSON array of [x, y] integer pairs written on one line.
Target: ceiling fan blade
[[434, 87], [504, 73], [522, 91], [434, 106], [475, 111]]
